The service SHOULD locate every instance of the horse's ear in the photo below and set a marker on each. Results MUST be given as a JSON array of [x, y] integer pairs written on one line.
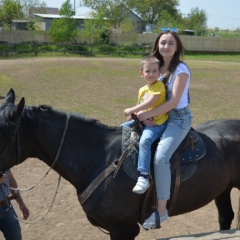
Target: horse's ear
[[18, 109], [10, 97]]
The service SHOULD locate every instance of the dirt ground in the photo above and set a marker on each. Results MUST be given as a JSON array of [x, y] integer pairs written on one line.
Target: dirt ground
[[66, 219]]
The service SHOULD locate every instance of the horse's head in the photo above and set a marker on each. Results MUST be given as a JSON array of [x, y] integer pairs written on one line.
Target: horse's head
[[10, 117]]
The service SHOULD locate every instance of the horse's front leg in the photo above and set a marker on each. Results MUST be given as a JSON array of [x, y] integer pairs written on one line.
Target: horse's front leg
[[128, 232], [225, 211]]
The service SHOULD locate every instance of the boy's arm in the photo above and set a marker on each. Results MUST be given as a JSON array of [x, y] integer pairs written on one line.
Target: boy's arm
[[142, 106]]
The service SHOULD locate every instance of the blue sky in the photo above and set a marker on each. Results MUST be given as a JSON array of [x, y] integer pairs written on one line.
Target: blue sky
[[220, 13]]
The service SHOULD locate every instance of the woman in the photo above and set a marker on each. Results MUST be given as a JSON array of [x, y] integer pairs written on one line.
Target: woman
[[175, 74]]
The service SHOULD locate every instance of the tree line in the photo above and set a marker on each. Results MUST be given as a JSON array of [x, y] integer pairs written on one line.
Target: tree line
[[106, 15]]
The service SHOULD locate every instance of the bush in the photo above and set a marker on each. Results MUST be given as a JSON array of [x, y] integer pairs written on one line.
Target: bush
[[106, 49], [131, 49]]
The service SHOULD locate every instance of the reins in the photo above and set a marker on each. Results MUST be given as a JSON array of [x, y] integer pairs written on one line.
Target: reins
[[16, 130], [10, 208], [114, 166], [56, 158]]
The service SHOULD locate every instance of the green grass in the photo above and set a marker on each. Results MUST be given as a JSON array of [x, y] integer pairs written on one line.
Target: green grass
[[102, 88], [222, 57]]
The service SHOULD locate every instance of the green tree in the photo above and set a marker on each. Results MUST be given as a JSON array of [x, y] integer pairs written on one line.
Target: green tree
[[167, 20], [29, 8], [151, 10], [196, 20], [10, 10], [64, 29], [94, 28], [148, 10], [114, 11]]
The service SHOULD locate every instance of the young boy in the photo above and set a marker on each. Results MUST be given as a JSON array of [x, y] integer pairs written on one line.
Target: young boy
[[150, 96]]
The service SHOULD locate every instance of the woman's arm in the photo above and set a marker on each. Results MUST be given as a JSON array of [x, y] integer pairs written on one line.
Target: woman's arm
[[177, 91], [142, 106]]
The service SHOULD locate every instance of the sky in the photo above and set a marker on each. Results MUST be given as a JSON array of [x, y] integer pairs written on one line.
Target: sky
[[220, 13]]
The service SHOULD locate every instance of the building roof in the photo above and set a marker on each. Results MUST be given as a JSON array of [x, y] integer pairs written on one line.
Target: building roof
[[87, 15], [47, 10]]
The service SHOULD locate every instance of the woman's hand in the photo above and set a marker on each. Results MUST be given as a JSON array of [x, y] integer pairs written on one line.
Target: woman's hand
[[142, 116], [149, 122]]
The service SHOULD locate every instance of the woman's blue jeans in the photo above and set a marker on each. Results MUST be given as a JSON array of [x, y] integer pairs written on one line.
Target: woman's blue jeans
[[178, 125], [149, 135], [9, 225]]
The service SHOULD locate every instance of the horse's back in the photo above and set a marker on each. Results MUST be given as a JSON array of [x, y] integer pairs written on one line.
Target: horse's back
[[223, 125]]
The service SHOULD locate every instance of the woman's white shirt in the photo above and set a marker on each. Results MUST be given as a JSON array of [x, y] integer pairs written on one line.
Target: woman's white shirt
[[185, 99]]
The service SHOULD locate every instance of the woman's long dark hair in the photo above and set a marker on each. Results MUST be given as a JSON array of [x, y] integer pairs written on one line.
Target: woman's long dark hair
[[178, 56]]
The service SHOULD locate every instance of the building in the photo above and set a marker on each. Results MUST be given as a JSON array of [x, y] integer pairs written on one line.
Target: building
[[21, 24], [45, 20]]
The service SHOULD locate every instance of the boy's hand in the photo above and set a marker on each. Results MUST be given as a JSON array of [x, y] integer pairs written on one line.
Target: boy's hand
[[127, 112]]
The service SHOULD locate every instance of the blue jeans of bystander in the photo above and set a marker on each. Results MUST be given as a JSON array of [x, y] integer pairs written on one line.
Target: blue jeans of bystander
[[9, 225]]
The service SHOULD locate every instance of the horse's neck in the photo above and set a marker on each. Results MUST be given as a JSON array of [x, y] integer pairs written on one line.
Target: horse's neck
[[77, 148], [41, 134]]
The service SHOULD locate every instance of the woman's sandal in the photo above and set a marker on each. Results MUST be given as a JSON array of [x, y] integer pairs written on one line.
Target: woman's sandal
[[154, 221]]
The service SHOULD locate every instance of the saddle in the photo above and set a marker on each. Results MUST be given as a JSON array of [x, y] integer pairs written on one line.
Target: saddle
[[191, 150]]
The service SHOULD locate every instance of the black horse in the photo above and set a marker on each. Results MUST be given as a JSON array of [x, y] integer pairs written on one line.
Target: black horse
[[80, 149]]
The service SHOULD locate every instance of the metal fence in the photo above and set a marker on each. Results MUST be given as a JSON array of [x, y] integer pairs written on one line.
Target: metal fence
[[10, 49], [190, 43]]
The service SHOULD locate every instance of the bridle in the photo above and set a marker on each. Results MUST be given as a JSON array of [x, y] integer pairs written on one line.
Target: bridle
[[5, 152], [11, 141]]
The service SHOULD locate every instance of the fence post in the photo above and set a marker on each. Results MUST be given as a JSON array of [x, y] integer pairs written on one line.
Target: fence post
[[119, 50], [144, 48], [6, 50], [35, 48], [64, 49]]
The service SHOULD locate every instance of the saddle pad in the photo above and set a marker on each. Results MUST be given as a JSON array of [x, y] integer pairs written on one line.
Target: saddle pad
[[188, 157], [126, 133], [130, 164], [131, 161]]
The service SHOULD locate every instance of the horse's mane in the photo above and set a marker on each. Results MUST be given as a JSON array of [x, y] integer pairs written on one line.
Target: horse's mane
[[45, 110], [93, 122]]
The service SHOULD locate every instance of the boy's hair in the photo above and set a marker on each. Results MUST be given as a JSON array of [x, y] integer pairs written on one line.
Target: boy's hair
[[149, 59]]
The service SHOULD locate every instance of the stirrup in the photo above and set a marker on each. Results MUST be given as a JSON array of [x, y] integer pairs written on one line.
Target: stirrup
[[157, 219]]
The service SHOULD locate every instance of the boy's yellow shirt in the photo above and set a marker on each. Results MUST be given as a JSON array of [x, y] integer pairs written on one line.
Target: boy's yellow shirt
[[154, 89]]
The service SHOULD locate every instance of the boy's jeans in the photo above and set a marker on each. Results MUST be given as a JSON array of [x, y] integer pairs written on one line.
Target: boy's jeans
[[149, 135]]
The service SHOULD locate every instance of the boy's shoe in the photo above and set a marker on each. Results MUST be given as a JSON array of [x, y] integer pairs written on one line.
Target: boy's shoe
[[150, 223], [141, 186]]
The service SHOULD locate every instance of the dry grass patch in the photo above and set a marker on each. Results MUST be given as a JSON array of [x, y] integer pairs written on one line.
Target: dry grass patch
[[102, 87]]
